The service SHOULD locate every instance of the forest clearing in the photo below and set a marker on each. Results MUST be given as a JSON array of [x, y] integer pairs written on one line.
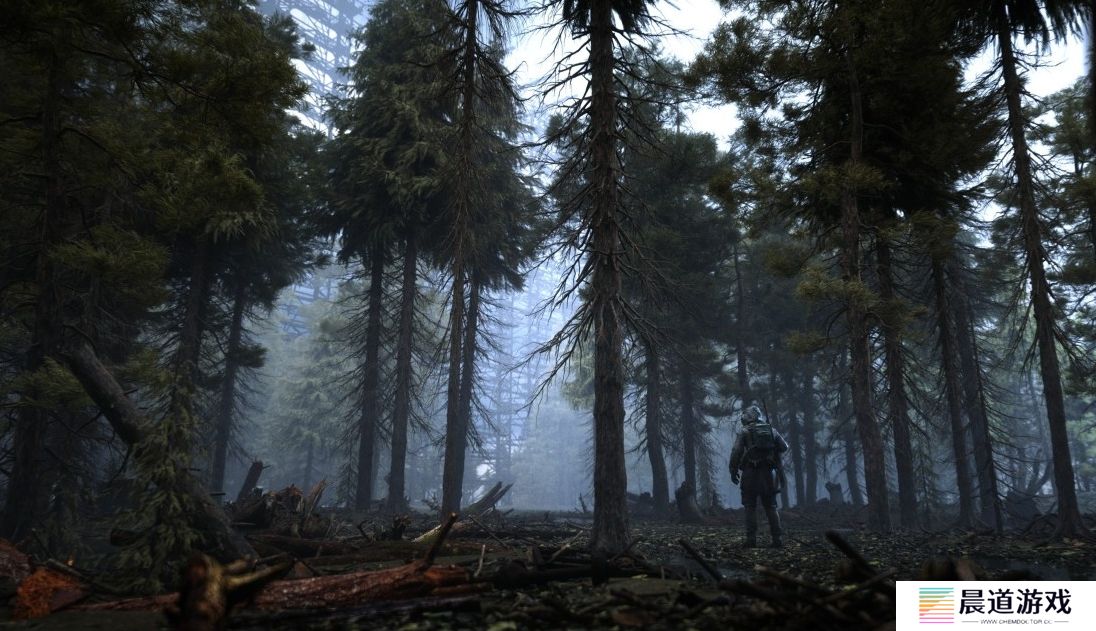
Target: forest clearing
[[496, 314]]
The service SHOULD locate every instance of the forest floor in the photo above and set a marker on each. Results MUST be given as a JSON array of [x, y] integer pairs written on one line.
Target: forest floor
[[522, 562]]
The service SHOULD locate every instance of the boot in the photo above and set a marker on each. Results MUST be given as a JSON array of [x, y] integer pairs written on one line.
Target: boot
[[774, 527], [751, 527]]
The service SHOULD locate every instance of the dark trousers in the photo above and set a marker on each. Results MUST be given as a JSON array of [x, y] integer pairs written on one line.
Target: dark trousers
[[759, 485]]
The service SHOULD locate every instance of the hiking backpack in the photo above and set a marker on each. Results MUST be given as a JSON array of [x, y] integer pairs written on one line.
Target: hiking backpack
[[760, 443]]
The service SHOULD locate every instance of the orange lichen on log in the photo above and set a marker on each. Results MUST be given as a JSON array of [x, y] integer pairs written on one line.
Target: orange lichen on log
[[46, 591], [341, 590], [407, 581]]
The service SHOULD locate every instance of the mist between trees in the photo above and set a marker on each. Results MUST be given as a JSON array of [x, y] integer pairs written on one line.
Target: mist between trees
[[894, 263]]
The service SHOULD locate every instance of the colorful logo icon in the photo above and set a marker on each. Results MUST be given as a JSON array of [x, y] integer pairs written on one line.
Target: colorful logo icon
[[936, 605]]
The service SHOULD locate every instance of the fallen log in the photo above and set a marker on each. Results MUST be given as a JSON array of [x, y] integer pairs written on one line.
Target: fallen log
[[699, 558], [412, 580], [210, 589], [488, 501], [857, 567], [313, 500], [128, 423], [476, 509], [251, 481], [45, 591]]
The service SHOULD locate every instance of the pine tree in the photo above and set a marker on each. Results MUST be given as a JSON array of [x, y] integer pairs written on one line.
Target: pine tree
[[999, 22], [391, 189], [595, 122]]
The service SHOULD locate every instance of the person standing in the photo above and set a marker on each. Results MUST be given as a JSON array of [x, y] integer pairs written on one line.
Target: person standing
[[755, 467]]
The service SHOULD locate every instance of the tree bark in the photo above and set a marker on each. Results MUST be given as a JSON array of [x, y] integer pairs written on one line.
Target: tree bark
[[848, 437], [974, 402], [127, 422], [856, 495], [371, 377], [739, 339], [774, 414], [456, 430], [188, 352], [948, 350], [897, 399], [688, 429], [401, 409], [227, 404], [26, 502], [453, 464], [660, 486], [795, 442], [810, 452], [1070, 522], [871, 440], [468, 379], [610, 529]]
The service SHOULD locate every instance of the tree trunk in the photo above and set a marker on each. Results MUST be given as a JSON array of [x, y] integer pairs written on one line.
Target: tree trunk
[[660, 486], [467, 381], [897, 399], [739, 341], [1070, 522], [456, 428], [128, 423], [401, 409], [974, 402], [688, 429], [1038, 417], [773, 415], [455, 436], [27, 500], [371, 377], [871, 440], [856, 496], [810, 452], [795, 442], [227, 404], [952, 391], [610, 528], [188, 352], [848, 437]]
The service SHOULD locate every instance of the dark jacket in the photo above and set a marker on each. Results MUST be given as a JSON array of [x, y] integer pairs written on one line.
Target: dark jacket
[[738, 454]]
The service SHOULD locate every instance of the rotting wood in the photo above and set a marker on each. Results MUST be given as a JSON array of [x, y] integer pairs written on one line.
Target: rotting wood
[[44, 591], [708, 567], [476, 509], [128, 423], [210, 590], [250, 481]]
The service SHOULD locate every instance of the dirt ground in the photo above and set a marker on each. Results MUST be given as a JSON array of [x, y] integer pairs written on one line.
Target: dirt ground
[[669, 588]]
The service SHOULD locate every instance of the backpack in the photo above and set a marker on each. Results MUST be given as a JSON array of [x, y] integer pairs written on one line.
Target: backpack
[[760, 443]]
